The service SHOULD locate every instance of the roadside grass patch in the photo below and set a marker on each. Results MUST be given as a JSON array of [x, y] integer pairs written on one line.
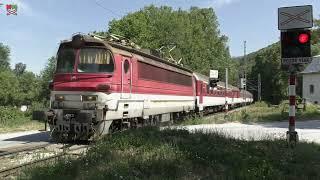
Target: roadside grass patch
[[258, 112], [149, 153], [12, 119]]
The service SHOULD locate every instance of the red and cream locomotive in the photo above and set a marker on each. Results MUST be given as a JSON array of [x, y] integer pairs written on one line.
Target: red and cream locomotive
[[102, 86]]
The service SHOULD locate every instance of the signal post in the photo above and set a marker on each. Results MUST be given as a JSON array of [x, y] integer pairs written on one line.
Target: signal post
[[294, 23]]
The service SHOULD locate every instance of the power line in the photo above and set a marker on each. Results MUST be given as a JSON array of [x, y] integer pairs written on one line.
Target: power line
[[108, 10]]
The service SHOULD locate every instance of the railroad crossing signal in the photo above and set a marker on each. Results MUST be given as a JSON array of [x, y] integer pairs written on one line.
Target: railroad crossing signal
[[243, 83], [213, 78], [295, 50], [296, 47], [295, 17], [295, 36]]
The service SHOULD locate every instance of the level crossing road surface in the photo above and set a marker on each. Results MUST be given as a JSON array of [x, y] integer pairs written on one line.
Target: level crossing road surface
[[308, 131], [26, 138]]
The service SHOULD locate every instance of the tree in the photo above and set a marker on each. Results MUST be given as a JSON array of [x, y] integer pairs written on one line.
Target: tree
[[28, 88], [19, 68], [4, 57], [315, 36], [46, 76], [9, 88], [267, 63], [193, 32]]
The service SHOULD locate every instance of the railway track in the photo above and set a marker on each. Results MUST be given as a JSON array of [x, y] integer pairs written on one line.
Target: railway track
[[15, 170], [16, 150]]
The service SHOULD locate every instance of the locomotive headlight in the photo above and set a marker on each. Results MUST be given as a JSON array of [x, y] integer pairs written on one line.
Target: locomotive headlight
[[89, 97], [59, 97]]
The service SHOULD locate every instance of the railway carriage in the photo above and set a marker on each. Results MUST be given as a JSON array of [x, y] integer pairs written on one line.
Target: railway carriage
[[213, 99], [102, 86]]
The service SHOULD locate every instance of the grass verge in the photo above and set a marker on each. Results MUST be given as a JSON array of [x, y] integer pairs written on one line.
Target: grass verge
[[12, 119], [258, 112], [177, 154]]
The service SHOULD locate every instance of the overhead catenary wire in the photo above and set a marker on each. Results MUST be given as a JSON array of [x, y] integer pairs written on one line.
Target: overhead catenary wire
[[108, 10]]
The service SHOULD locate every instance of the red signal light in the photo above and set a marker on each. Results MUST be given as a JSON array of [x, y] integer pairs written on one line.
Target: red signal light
[[303, 38]]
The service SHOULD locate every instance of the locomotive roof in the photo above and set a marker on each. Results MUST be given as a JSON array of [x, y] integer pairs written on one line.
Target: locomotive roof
[[128, 51]]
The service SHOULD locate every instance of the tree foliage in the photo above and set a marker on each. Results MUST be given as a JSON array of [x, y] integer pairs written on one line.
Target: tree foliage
[[46, 76], [194, 32], [19, 68], [17, 86], [267, 63], [315, 36], [18, 90], [9, 88], [28, 88], [4, 57]]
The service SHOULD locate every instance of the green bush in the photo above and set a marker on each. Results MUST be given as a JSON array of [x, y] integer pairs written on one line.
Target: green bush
[[260, 104], [11, 116], [35, 106]]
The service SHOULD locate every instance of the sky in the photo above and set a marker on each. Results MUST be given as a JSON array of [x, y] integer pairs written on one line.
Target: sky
[[33, 35]]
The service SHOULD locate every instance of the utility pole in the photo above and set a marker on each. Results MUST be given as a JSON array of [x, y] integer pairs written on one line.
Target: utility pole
[[226, 91], [259, 87], [244, 58], [245, 69]]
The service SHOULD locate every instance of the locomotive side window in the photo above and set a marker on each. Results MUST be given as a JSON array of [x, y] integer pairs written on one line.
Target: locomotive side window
[[94, 60], [126, 66], [65, 62]]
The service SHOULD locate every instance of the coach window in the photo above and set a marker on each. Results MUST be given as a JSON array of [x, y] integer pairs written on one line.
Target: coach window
[[311, 89], [126, 66]]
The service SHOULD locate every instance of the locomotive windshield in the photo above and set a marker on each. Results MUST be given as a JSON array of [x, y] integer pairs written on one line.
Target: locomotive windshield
[[66, 59], [91, 60]]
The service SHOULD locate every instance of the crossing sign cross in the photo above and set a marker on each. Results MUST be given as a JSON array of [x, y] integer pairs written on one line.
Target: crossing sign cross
[[295, 17]]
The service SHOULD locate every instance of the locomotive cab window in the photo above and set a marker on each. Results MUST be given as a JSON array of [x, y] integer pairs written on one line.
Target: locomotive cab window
[[65, 61], [95, 60]]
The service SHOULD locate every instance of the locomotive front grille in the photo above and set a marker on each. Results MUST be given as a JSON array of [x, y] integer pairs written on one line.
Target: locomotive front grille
[[70, 115]]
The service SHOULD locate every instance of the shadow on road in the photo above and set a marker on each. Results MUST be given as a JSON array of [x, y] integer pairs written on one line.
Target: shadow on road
[[38, 137]]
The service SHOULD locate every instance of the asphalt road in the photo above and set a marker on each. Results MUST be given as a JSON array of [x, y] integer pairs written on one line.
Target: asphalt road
[[308, 131], [18, 139]]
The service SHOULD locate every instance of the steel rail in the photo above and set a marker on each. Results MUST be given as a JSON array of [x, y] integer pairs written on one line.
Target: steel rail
[[15, 170], [17, 150]]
